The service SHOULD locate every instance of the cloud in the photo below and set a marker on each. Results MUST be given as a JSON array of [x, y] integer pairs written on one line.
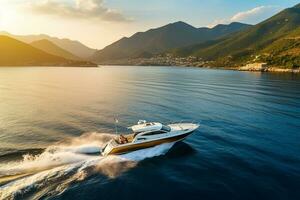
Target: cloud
[[78, 9], [255, 14], [252, 16]]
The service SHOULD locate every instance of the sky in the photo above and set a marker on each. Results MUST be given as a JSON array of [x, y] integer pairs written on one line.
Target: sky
[[97, 23]]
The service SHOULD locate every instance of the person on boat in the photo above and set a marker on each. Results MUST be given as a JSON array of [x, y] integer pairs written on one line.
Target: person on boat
[[123, 139]]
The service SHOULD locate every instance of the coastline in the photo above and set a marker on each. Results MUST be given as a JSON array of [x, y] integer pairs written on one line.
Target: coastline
[[192, 61], [70, 66], [267, 69], [271, 69]]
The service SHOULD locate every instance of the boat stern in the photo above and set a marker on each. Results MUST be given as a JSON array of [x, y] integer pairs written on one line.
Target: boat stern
[[108, 147]]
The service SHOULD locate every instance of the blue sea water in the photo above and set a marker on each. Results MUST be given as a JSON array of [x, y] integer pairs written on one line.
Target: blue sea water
[[54, 121]]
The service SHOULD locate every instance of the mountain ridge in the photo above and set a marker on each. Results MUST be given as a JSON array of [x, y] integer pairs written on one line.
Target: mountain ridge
[[161, 39], [75, 47], [18, 53], [51, 48], [246, 46]]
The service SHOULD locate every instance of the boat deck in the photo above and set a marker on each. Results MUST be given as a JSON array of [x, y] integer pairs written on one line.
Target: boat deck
[[129, 138]]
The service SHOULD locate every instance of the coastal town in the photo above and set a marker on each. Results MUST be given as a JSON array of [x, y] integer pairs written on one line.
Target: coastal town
[[192, 61], [162, 60]]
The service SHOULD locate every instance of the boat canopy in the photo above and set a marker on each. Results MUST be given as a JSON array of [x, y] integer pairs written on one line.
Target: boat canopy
[[144, 126]]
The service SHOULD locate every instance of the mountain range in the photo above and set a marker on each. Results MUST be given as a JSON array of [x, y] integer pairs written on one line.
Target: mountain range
[[17, 53], [74, 47], [275, 41], [49, 47], [159, 40]]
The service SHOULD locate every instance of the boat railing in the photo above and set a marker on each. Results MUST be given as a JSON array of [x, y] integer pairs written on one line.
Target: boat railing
[[183, 121]]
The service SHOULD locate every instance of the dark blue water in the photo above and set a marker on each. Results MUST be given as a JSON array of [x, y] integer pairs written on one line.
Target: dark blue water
[[248, 145]]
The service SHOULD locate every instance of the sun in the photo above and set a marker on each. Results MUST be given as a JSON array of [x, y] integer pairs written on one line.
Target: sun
[[8, 17]]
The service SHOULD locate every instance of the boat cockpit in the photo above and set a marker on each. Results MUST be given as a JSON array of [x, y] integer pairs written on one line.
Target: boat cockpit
[[143, 131]]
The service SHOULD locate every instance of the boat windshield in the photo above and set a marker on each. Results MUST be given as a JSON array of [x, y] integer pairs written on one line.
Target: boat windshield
[[166, 128]]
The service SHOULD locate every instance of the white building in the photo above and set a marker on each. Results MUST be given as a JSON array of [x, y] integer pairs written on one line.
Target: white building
[[254, 67]]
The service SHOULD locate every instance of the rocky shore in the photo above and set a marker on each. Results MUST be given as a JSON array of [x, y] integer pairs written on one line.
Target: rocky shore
[[263, 67]]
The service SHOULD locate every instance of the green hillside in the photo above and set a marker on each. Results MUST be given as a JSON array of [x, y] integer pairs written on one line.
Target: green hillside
[[255, 43], [284, 51], [17, 53], [51, 48], [161, 39]]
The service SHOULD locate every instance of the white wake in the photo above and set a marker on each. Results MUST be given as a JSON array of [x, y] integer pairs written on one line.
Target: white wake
[[68, 162]]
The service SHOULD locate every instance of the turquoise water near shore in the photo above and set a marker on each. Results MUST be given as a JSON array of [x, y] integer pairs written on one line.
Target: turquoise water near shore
[[54, 121]]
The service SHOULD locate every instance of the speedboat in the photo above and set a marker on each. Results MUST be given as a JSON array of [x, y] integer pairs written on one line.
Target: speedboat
[[148, 134]]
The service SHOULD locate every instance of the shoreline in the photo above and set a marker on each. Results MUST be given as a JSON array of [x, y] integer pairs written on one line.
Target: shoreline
[[267, 69], [274, 69], [62, 66]]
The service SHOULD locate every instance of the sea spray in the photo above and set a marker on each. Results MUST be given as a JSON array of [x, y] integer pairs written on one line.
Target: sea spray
[[113, 166], [94, 138], [148, 153], [70, 151], [66, 163]]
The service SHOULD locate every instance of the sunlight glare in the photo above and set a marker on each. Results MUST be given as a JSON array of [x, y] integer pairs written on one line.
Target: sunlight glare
[[8, 16]]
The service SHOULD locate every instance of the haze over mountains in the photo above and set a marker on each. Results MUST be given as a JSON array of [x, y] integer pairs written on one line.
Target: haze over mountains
[[159, 40], [75, 47], [17, 53], [49, 47]]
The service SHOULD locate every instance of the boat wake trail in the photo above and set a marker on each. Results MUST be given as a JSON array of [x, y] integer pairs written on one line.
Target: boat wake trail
[[53, 171]]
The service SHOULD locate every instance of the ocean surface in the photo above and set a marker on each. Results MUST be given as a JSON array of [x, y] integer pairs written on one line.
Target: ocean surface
[[54, 121]]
